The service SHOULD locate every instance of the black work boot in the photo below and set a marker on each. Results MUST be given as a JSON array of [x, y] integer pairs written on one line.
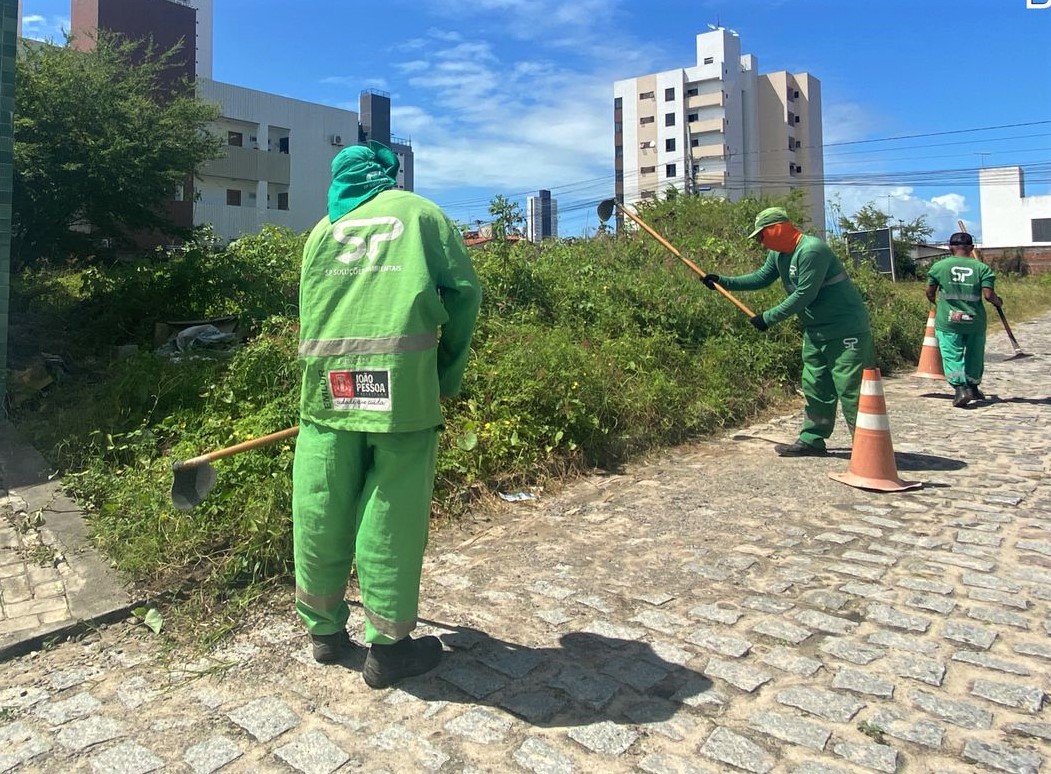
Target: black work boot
[[387, 664], [962, 396], [976, 394], [330, 648], [798, 449]]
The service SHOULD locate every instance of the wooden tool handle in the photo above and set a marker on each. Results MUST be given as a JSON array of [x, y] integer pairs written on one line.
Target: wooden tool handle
[[255, 443]]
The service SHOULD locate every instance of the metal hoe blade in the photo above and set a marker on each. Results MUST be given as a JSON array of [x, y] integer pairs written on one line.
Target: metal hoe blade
[[605, 209], [191, 485]]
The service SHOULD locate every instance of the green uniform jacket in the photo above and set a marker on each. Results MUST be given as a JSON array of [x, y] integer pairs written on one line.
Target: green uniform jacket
[[960, 281], [819, 290], [388, 301]]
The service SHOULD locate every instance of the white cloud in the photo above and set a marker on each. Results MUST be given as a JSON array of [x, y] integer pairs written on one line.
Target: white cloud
[[48, 28], [902, 203]]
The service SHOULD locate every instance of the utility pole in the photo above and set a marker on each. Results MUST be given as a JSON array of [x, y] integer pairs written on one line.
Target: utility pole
[[981, 158]]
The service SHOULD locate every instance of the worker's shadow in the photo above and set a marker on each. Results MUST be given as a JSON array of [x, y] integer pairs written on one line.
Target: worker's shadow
[[589, 678], [991, 399]]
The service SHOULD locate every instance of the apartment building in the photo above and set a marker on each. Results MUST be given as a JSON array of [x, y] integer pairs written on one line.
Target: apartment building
[[720, 128], [1010, 218], [541, 217], [278, 150]]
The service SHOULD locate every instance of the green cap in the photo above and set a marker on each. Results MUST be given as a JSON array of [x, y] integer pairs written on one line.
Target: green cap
[[769, 217]]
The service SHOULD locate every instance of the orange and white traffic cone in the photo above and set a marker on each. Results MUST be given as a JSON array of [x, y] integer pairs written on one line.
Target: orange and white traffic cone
[[930, 366], [872, 463]]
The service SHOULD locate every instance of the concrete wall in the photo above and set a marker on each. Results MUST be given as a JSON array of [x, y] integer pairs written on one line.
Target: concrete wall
[[1007, 213]]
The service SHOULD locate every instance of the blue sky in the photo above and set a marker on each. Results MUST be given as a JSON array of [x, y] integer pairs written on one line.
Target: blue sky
[[510, 96]]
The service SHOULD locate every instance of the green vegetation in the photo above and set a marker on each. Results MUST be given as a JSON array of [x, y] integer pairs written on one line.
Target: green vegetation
[[587, 353], [100, 147]]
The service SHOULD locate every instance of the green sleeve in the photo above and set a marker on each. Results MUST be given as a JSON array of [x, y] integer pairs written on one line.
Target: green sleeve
[[811, 270], [461, 296], [988, 277], [760, 278]]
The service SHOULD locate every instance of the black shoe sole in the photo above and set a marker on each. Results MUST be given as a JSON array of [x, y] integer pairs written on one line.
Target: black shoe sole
[[792, 451]]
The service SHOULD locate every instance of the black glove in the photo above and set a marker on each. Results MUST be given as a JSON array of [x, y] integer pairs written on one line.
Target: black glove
[[709, 280], [759, 322]]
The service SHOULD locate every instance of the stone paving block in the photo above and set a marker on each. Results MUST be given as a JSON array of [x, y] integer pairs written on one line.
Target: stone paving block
[[1038, 649], [883, 548], [21, 698], [585, 686], [717, 574], [211, 754], [826, 598], [869, 558], [824, 622], [662, 716], [699, 692], [725, 746], [717, 614], [780, 630], [919, 541], [312, 753], [926, 670], [1002, 757], [618, 633], [1021, 697], [835, 537], [595, 602], [534, 706], [64, 679], [662, 653], [878, 757], [513, 662], [819, 768], [961, 560], [555, 616], [1035, 730], [788, 660], [922, 732], [538, 756], [606, 738], [867, 590], [922, 584], [19, 744], [907, 642], [978, 538], [661, 621], [999, 597], [743, 676], [1037, 546], [818, 701], [766, 604], [480, 726], [82, 734], [265, 718], [1001, 617], [857, 529], [789, 728], [126, 758], [655, 598], [669, 764], [931, 602], [864, 572], [55, 713], [640, 675], [544, 588], [401, 739], [969, 634], [471, 678], [851, 651], [991, 662], [722, 644], [959, 713], [857, 681], [885, 615]]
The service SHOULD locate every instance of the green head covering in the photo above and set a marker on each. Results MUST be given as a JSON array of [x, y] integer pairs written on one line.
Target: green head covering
[[769, 217], [359, 173]]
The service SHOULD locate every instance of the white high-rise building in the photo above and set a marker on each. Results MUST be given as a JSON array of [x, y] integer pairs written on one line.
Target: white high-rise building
[[720, 128], [541, 217]]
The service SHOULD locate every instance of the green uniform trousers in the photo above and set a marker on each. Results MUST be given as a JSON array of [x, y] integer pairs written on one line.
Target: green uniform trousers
[[963, 356], [363, 497], [832, 372]]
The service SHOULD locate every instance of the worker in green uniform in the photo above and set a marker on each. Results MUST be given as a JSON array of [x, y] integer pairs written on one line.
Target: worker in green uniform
[[837, 340], [388, 303], [958, 284]]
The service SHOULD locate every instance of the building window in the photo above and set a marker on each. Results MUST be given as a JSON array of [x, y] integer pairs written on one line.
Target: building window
[[669, 119], [669, 170], [669, 145], [669, 94], [691, 92], [646, 95], [646, 120], [691, 118], [694, 142], [235, 138], [618, 176], [282, 145], [618, 127], [795, 95], [709, 60], [282, 200], [618, 103], [233, 197], [618, 151], [647, 170], [1041, 229], [797, 119]]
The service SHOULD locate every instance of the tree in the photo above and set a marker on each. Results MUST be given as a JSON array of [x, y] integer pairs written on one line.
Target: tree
[[100, 145], [870, 218], [507, 217]]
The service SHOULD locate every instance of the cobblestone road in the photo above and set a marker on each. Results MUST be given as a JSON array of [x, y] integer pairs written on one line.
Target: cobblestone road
[[717, 609]]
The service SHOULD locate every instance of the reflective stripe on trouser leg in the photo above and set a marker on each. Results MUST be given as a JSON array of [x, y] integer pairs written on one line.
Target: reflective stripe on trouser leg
[[327, 476], [394, 519], [953, 348]]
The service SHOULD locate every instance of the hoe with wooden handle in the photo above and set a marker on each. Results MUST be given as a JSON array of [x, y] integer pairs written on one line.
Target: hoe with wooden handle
[[194, 478]]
